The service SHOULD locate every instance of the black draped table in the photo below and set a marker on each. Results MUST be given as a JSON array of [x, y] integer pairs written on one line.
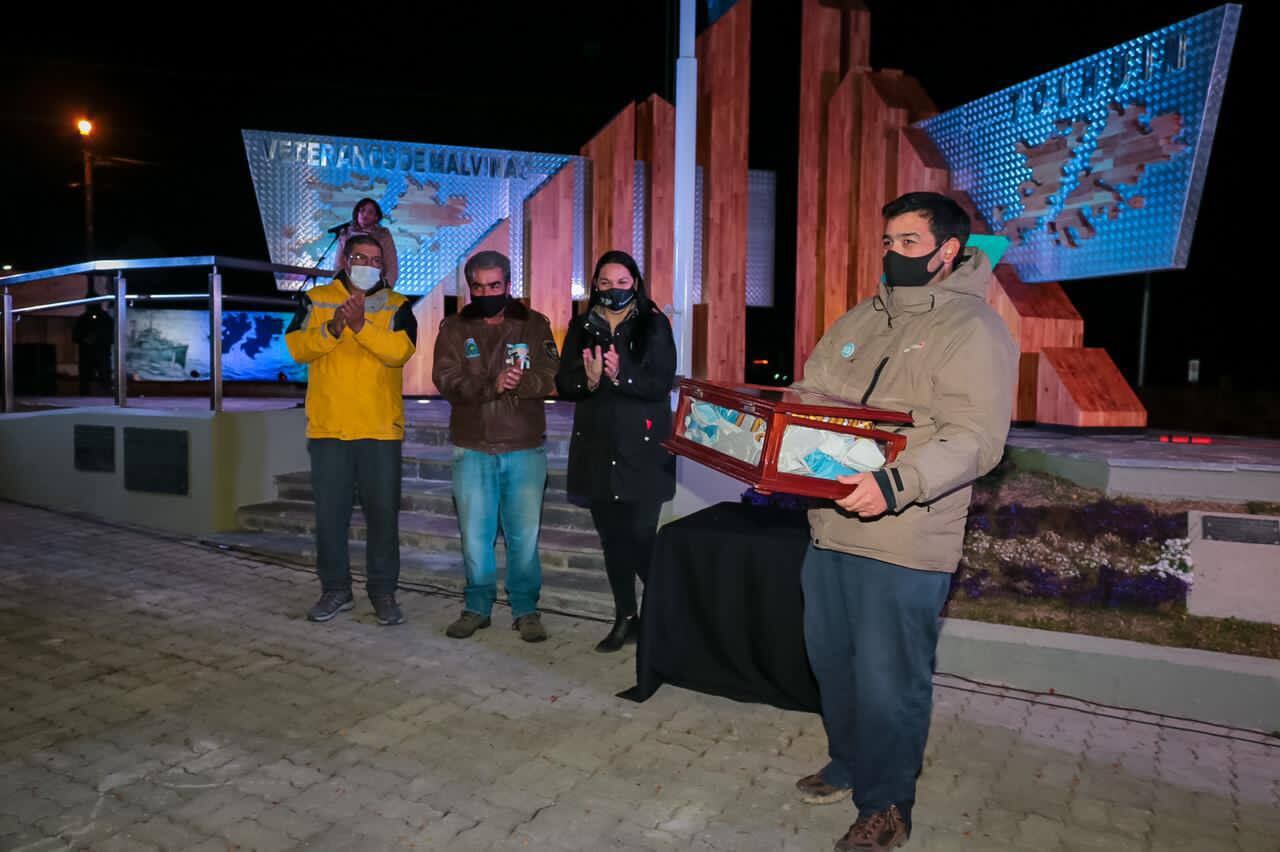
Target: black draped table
[[723, 608]]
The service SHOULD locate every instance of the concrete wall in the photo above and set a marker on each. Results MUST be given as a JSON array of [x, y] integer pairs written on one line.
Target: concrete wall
[[1086, 472], [1233, 579], [256, 446], [1225, 689], [233, 458], [1149, 478]]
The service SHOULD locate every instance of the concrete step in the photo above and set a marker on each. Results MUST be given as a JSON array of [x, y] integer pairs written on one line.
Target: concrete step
[[569, 550], [435, 462], [437, 435], [572, 591], [435, 497]]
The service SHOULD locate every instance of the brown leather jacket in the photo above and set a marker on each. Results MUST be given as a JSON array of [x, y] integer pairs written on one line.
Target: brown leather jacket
[[469, 355]]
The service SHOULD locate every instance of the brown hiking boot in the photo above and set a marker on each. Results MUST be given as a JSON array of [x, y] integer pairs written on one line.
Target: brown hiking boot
[[816, 791], [530, 627], [467, 624], [880, 831]]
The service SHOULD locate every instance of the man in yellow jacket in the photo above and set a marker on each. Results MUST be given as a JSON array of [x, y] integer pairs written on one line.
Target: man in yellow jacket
[[356, 334]]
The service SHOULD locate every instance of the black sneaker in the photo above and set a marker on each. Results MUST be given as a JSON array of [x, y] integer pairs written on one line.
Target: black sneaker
[[329, 605], [387, 610]]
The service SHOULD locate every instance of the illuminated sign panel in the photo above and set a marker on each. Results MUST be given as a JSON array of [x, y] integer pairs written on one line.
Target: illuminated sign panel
[[440, 201], [1097, 168]]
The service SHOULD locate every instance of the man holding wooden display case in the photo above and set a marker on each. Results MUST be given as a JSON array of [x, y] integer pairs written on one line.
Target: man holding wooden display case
[[879, 565]]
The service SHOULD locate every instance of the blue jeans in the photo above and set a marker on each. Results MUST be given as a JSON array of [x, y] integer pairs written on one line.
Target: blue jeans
[[871, 631], [505, 488]]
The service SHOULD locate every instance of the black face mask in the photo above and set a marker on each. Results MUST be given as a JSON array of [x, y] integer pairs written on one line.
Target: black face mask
[[615, 299], [903, 271], [490, 306]]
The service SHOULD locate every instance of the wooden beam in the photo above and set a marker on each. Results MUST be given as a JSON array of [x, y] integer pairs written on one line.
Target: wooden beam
[[1083, 387], [610, 190], [656, 147], [835, 38], [548, 250], [724, 89]]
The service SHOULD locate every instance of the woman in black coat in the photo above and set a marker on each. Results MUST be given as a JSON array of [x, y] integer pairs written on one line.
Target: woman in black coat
[[619, 367]]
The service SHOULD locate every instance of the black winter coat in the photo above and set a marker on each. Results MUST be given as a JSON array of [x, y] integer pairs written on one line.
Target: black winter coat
[[616, 452]]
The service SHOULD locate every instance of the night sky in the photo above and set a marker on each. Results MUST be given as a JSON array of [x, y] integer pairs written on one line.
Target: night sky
[[465, 74]]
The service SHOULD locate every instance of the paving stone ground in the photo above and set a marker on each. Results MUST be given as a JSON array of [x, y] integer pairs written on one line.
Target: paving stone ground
[[155, 694]]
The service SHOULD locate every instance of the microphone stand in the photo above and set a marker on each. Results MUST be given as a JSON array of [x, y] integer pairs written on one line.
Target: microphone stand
[[323, 255]]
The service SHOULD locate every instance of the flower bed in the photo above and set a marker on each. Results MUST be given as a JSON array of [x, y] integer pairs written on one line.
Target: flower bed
[[1105, 553], [1106, 571]]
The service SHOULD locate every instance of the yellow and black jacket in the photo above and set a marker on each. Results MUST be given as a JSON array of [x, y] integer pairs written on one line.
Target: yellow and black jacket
[[355, 382]]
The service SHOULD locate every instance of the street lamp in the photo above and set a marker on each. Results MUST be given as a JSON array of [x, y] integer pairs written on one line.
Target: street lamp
[[85, 126]]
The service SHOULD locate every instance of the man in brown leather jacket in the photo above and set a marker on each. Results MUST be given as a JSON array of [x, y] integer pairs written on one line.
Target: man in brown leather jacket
[[495, 361]]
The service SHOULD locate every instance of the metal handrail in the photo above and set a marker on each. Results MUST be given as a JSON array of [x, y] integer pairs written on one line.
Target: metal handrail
[[122, 299], [157, 297], [194, 262]]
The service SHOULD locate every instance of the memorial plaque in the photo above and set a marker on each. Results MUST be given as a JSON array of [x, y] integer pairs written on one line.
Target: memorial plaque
[[156, 461], [1241, 530], [95, 448]]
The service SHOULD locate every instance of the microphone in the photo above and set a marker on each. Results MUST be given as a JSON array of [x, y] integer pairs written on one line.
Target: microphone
[[338, 229]]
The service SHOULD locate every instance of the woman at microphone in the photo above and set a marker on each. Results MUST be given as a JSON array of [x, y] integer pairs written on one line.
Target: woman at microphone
[[366, 220]]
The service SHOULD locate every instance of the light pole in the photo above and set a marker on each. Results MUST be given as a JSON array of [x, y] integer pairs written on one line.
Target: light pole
[[685, 179], [85, 126]]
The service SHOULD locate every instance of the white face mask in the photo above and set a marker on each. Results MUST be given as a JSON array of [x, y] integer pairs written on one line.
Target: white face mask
[[365, 277]]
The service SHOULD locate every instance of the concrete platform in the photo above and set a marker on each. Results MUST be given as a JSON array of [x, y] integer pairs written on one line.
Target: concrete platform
[[1229, 469]]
